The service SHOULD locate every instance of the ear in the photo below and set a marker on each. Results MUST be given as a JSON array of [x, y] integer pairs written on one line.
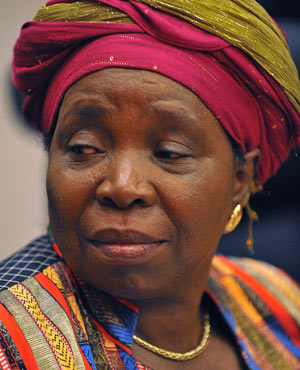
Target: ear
[[244, 174]]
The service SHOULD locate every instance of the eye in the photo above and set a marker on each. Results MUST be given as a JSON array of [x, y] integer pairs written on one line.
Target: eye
[[172, 152], [82, 149], [169, 155]]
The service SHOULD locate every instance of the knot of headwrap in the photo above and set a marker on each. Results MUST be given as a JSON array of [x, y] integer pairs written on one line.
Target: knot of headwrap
[[245, 88]]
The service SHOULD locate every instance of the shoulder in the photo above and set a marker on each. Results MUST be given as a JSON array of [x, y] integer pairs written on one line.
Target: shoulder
[[268, 275], [261, 304], [27, 262], [260, 276], [26, 306], [261, 281], [263, 271]]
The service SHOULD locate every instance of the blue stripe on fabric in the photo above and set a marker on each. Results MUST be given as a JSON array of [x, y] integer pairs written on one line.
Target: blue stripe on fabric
[[128, 316], [278, 331], [251, 363], [122, 334], [86, 349], [128, 361], [228, 316]]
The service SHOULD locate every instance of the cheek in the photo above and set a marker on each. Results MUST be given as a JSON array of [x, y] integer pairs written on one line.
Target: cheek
[[67, 195], [200, 209]]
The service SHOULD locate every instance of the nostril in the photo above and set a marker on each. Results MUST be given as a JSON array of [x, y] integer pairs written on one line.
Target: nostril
[[106, 201], [114, 194], [139, 202]]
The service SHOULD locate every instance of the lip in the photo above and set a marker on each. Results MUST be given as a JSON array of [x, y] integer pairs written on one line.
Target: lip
[[125, 245]]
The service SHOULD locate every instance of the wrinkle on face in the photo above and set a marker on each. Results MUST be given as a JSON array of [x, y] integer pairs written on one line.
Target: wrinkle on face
[[133, 116]]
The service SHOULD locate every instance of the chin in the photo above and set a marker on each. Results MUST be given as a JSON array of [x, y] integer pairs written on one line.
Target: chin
[[127, 282]]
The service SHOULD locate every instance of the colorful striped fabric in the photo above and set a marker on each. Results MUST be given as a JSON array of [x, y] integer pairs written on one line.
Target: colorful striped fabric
[[51, 320]]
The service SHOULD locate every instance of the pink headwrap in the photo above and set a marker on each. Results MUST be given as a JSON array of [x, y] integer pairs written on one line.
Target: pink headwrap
[[249, 104]]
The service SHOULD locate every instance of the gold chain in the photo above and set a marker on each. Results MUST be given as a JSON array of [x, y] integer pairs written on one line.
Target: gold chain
[[175, 355]]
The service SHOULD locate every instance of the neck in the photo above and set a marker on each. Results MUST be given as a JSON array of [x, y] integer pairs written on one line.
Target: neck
[[166, 323]]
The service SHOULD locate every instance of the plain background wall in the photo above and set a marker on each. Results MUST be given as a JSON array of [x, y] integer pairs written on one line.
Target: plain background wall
[[22, 161]]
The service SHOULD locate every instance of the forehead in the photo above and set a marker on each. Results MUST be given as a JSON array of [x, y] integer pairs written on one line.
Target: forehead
[[112, 89], [130, 79], [143, 86]]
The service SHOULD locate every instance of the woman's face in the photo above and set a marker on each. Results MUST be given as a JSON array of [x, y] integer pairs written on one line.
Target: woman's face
[[140, 184]]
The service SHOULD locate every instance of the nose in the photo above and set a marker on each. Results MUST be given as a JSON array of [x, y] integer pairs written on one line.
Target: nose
[[126, 184]]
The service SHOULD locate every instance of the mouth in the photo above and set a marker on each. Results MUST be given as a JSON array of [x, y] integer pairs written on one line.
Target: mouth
[[125, 245]]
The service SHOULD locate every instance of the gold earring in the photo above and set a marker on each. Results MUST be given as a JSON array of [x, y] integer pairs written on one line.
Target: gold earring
[[234, 220]]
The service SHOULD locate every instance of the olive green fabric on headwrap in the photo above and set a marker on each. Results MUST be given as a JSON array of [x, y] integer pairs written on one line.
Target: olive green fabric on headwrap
[[243, 23]]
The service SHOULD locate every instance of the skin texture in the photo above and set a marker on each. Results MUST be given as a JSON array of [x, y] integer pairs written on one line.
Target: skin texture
[[134, 150]]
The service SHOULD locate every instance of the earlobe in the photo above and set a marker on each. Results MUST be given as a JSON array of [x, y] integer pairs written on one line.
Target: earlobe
[[244, 174]]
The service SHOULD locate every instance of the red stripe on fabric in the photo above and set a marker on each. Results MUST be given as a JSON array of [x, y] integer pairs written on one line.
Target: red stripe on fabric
[[87, 366], [56, 249], [120, 360], [214, 298], [15, 364], [279, 311], [108, 352], [4, 363], [128, 304], [15, 332], [77, 280], [53, 290], [119, 344]]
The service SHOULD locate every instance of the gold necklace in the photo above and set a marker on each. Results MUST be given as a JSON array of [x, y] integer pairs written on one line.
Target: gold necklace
[[175, 355]]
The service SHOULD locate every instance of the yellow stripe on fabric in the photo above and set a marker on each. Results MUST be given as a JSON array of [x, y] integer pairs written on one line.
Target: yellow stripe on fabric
[[58, 317], [109, 344], [260, 361], [288, 356], [111, 352], [276, 277], [56, 340], [76, 311], [276, 282], [262, 343], [221, 266], [242, 299], [41, 351], [243, 23], [54, 277]]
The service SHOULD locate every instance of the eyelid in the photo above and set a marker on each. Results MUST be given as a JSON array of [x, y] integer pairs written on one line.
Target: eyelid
[[174, 147], [85, 139], [82, 137], [81, 147], [172, 153]]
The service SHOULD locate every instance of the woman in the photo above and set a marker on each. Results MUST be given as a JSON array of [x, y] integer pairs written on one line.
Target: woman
[[150, 161]]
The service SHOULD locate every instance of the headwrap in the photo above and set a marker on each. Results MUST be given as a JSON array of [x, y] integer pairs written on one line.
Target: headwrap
[[230, 53]]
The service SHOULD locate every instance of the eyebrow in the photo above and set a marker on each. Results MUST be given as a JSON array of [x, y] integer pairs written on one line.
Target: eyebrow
[[72, 120], [177, 118], [87, 111]]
